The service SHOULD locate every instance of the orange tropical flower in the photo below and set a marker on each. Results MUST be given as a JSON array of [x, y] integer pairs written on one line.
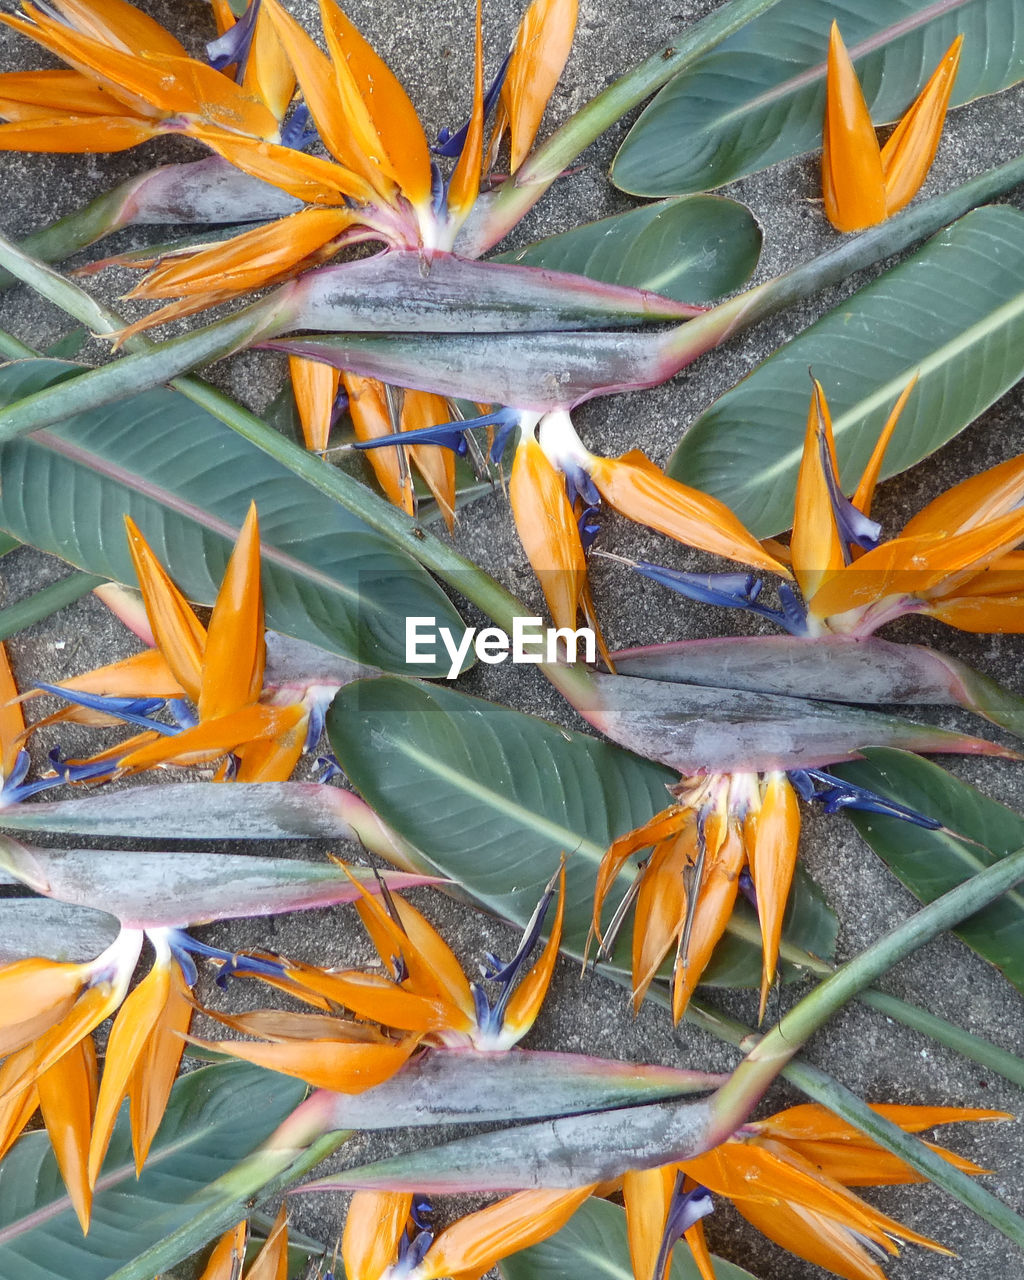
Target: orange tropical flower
[[425, 999], [685, 891], [218, 668], [388, 1234], [789, 1175], [956, 560], [132, 80], [863, 183]]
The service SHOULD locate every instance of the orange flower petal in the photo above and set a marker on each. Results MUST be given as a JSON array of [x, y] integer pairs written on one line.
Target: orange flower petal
[[851, 163], [374, 1226], [324, 1064], [235, 653], [435, 464], [225, 1263], [973, 502], [640, 491], [149, 1087], [369, 410], [12, 721], [539, 54], [315, 387], [816, 546], [717, 896], [772, 863], [548, 530], [523, 1007], [908, 154], [179, 634], [865, 492], [67, 1099], [647, 1193], [472, 1245], [118, 23], [464, 186], [271, 1263]]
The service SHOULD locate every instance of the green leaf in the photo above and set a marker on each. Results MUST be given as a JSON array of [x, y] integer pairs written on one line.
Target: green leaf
[[760, 96], [216, 1117], [187, 480], [931, 862], [746, 448], [693, 249], [492, 798], [593, 1243], [67, 347]]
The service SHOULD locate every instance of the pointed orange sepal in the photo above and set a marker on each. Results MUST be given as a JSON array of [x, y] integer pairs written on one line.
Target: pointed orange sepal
[[149, 1086], [235, 652], [374, 1226], [35, 995], [464, 186], [268, 72], [121, 24], [910, 149], [661, 904], [816, 547], [325, 1064], [851, 161], [380, 116], [864, 494], [472, 1245], [180, 635], [315, 387], [371, 419], [647, 1194], [973, 502], [548, 530], [67, 1099], [524, 1005], [772, 856], [225, 1263], [435, 464], [539, 55], [663, 826], [145, 675], [641, 491], [717, 897], [12, 721], [271, 1263]]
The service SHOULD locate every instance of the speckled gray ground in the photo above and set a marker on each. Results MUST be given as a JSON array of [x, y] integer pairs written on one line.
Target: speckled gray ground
[[428, 43]]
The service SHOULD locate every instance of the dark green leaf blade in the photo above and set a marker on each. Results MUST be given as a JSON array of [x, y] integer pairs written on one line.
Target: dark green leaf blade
[[216, 1117], [187, 480], [760, 96], [746, 448], [931, 862], [593, 1243], [492, 798], [694, 249]]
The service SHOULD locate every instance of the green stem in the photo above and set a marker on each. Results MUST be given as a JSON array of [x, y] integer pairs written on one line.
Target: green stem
[[748, 1082], [12, 348], [828, 1092], [686, 342], [495, 215], [58, 595], [971, 1046]]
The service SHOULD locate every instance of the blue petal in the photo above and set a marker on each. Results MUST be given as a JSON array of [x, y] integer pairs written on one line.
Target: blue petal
[[329, 768], [835, 794], [450, 144], [578, 484], [855, 528], [450, 435], [589, 527], [684, 1210], [84, 771], [299, 133], [14, 788], [184, 946], [235, 44], [132, 710]]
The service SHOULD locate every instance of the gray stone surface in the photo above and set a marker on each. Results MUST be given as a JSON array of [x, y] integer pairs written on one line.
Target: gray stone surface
[[429, 45]]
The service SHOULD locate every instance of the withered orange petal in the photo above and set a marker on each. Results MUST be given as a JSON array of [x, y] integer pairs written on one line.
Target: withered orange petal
[[235, 653], [374, 1226], [548, 530], [660, 911], [718, 890], [371, 419], [851, 163], [271, 1263], [910, 149]]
